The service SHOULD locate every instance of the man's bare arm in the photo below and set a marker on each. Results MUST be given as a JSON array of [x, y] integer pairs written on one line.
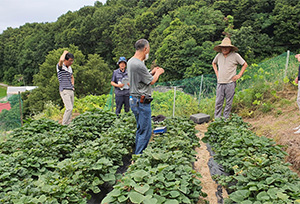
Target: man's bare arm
[[215, 69], [236, 77], [156, 75], [62, 58]]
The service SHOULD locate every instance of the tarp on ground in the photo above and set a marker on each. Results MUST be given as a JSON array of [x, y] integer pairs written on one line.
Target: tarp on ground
[[4, 106]]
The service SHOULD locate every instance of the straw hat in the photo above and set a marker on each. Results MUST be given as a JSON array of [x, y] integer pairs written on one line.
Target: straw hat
[[226, 42]]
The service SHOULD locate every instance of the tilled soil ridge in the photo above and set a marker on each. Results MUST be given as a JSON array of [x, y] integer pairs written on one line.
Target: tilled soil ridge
[[209, 186]]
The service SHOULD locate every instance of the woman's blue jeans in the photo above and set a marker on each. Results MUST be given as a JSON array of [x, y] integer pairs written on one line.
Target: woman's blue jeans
[[142, 114]]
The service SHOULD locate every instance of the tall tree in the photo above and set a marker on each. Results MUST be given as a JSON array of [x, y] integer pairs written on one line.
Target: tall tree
[[93, 78], [145, 23], [105, 18], [110, 30], [178, 51], [124, 36], [286, 19]]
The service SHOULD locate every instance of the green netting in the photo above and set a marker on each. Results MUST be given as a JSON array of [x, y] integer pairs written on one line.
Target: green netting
[[110, 100], [204, 83], [3, 91], [203, 87], [272, 70], [11, 119]]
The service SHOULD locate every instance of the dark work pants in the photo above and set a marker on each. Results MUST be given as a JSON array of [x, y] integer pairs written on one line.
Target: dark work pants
[[120, 100], [224, 91]]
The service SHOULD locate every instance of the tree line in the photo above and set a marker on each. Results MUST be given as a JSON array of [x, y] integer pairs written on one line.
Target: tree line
[[182, 34]]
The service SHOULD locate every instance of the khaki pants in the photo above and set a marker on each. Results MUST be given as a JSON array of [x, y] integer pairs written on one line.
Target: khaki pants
[[224, 91], [68, 99], [298, 96]]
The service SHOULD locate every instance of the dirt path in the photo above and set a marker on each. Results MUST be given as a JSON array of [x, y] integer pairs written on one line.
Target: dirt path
[[208, 184]]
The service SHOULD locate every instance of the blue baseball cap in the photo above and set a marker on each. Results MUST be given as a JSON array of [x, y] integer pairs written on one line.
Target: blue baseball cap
[[122, 59]]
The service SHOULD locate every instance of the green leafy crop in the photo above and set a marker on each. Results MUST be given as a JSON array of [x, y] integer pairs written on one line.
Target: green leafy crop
[[44, 162], [164, 172], [256, 167]]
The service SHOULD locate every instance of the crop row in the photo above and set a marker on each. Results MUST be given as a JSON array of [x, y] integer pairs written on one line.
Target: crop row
[[44, 162], [164, 172], [256, 167]]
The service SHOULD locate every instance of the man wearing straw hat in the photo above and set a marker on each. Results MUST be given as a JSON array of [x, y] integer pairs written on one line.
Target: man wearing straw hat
[[225, 65]]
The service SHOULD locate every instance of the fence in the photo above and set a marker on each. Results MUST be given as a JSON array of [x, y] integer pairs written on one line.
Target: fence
[[278, 70], [12, 118], [186, 96]]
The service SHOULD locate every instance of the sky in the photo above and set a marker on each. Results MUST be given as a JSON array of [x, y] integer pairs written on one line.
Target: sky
[[15, 13]]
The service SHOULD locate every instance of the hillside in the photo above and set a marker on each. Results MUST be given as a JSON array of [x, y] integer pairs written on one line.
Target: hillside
[[186, 29], [280, 127]]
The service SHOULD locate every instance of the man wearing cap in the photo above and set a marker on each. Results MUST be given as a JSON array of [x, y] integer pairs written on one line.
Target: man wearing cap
[[225, 65], [121, 83]]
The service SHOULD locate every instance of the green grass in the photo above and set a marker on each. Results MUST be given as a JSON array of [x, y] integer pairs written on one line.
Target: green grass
[[2, 91]]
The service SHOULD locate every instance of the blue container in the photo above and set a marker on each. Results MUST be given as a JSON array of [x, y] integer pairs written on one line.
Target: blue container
[[160, 130]]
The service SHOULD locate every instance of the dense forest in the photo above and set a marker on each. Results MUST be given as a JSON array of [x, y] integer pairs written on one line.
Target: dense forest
[[182, 34]]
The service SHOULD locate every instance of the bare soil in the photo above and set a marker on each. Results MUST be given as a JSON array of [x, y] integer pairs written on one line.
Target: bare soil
[[209, 186]]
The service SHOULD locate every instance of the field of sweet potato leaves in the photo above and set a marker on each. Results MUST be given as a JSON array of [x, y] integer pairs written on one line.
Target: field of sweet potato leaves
[[45, 162]]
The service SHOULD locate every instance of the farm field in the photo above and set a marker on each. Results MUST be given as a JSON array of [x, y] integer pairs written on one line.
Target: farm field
[[92, 157], [44, 162], [251, 158], [2, 91], [254, 167]]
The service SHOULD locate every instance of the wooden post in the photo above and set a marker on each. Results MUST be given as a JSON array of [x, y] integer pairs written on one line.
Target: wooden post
[[174, 101], [20, 105], [287, 63], [112, 99], [200, 89]]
